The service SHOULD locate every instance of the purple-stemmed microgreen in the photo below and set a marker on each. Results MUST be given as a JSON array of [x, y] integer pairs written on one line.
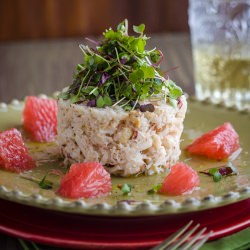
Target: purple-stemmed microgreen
[[120, 71], [218, 172]]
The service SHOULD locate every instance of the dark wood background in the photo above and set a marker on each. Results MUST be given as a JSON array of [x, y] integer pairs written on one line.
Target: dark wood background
[[39, 39], [36, 19]]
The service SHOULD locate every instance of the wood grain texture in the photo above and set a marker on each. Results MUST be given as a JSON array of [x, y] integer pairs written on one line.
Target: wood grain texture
[[36, 19]]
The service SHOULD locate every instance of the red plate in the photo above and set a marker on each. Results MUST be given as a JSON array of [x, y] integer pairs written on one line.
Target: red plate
[[84, 231]]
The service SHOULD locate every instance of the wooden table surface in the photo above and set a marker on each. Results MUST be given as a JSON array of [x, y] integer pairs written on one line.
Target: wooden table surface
[[35, 67]]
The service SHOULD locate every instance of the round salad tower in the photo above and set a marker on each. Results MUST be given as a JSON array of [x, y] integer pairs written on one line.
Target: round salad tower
[[120, 110]]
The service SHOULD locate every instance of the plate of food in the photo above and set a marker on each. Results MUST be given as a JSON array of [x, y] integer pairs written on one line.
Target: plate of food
[[123, 141]]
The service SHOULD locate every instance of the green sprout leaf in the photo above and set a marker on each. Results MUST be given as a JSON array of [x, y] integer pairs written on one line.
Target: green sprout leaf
[[155, 56], [107, 100], [127, 108], [139, 45], [74, 99], [174, 91], [173, 103], [123, 27], [149, 71], [139, 29], [136, 75], [126, 188], [45, 184], [216, 174], [155, 189], [100, 102]]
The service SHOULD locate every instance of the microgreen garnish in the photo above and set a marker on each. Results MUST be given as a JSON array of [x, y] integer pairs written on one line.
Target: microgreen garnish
[[215, 173], [155, 189], [119, 71], [126, 188], [42, 183], [219, 172], [45, 184], [139, 29]]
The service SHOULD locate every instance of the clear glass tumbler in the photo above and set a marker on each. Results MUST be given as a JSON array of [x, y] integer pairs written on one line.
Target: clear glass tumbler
[[220, 35]]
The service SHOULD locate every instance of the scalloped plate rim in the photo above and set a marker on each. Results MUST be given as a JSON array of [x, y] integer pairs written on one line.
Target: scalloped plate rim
[[169, 206]]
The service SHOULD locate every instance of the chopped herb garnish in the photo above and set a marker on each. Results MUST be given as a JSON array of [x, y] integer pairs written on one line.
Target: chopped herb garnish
[[126, 188], [228, 169], [119, 71], [221, 171], [45, 184], [155, 189], [215, 173]]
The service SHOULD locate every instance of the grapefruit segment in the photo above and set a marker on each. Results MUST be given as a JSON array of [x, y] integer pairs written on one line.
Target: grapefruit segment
[[180, 180], [85, 180], [13, 153], [217, 144], [40, 118]]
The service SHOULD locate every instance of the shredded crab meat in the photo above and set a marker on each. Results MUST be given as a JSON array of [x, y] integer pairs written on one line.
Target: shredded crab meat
[[126, 143]]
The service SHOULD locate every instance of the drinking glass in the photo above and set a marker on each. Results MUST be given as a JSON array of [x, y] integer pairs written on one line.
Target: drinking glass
[[220, 36]]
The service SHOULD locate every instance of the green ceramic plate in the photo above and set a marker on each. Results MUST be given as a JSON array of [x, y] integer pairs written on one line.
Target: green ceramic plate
[[201, 117]]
